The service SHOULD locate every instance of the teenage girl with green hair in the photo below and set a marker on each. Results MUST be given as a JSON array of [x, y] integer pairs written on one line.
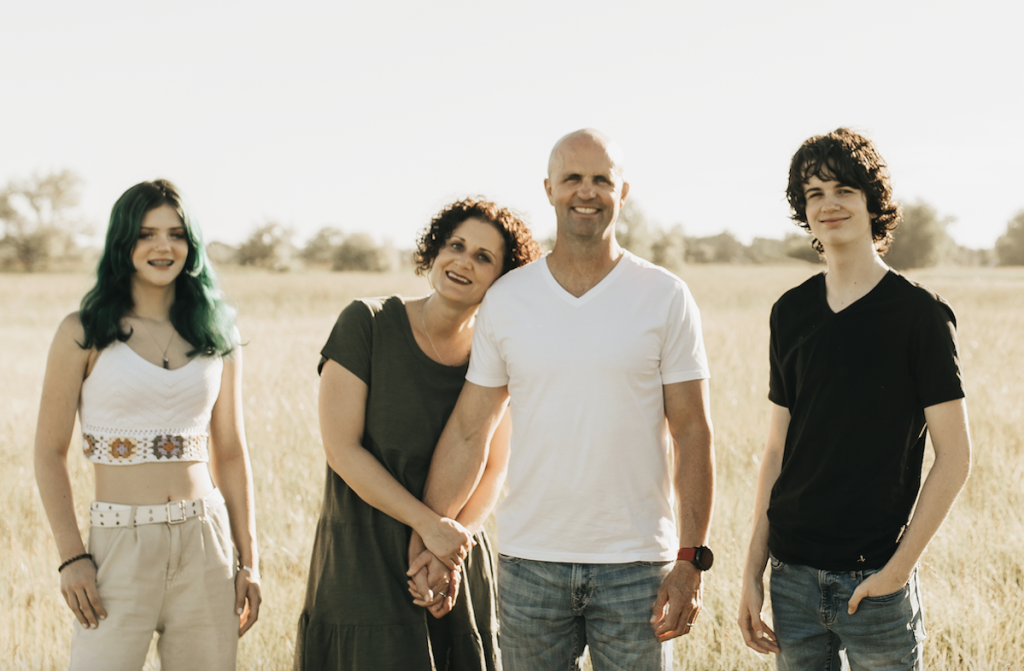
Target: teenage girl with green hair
[[152, 366]]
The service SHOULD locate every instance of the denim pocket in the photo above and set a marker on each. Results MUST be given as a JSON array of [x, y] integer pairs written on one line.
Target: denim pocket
[[883, 598], [509, 561], [777, 565], [888, 597]]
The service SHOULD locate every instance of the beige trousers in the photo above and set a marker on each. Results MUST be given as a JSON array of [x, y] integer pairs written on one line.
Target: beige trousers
[[174, 579]]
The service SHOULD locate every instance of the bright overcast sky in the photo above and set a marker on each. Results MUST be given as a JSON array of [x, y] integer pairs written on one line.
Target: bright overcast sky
[[371, 115]]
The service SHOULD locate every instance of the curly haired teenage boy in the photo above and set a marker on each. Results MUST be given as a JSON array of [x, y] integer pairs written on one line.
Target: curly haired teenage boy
[[864, 364]]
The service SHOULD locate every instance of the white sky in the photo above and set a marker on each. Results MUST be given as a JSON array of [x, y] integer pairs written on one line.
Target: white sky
[[370, 116]]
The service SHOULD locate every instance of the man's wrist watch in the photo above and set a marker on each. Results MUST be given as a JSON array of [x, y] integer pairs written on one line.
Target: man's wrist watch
[[702, 557]]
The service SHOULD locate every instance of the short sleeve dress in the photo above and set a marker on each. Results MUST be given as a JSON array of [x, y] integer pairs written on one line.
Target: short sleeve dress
[[358, 613]]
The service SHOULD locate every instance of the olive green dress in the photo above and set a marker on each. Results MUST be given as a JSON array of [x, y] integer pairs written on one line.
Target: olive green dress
[[358, 613]]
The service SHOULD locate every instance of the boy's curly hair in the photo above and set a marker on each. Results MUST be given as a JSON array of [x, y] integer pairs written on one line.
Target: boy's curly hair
[[851, 159]]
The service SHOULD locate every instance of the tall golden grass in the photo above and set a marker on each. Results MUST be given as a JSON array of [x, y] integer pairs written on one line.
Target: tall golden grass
[[972, 574]]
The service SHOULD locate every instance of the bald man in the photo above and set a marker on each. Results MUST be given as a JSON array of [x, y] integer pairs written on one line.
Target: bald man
[[601, 356]]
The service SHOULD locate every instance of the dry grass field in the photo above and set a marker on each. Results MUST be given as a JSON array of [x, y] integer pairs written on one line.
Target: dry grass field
[[972, 574]]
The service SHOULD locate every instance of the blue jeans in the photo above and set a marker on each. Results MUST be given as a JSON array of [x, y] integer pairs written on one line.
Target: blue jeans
[[550, 612], [812, 625]]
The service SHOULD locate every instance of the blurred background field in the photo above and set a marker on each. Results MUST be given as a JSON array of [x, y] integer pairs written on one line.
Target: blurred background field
[[973, 572]]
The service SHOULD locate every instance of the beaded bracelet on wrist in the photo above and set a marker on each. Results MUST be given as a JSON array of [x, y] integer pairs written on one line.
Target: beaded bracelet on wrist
[[84, 555]]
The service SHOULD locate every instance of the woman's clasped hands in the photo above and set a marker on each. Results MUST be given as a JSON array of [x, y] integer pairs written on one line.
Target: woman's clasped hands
[[449, 541], [435, 565]]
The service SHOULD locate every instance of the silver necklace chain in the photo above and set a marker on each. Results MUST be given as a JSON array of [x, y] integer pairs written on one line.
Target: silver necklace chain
[[423, 320], [167, 363]]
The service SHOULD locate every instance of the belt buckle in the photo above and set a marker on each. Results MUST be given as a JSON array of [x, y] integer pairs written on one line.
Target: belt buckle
[[178, 505]]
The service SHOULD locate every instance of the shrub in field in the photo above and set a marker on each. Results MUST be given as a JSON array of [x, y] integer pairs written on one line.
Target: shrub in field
[[320, 248], [39, 220], [921, 240], [1010, 245], [360, 252], [269, 246]]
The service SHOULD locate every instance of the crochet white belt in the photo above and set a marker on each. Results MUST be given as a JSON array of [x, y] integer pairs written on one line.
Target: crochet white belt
[[102, 514]]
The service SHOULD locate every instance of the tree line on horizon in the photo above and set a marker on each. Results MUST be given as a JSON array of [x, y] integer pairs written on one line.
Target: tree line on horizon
[[43, 229]]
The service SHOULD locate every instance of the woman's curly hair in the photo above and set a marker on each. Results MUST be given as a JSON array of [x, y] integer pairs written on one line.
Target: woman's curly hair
[[520, 247], [851, 159]]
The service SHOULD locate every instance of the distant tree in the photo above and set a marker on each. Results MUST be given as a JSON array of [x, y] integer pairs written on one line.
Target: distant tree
[[721, 248], [221, 254], [921, 240], [669, 250], [1010, 245], [269, 246], [767, 250], [634, 232], [798, 246], [699, 251], [321, 248], [39, 218], [359, 251]]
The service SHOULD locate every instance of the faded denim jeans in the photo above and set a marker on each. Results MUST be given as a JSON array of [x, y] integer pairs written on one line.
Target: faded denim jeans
[[550, 612], [815, 632]]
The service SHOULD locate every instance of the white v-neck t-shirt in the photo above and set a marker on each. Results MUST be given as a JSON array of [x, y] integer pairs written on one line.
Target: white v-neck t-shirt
[[589, 477]]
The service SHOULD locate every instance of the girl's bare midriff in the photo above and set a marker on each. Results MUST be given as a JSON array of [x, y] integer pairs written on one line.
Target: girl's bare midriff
[[143, 484]]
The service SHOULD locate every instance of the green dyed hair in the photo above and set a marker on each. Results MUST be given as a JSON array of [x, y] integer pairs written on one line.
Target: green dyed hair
[[199, 313]]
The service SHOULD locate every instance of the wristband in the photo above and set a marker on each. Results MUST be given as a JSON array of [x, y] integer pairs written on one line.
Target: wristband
[[253, 572], [702, 557], [73, 560]]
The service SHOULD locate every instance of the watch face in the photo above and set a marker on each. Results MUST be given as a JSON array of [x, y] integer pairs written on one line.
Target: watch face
[[704, 558]]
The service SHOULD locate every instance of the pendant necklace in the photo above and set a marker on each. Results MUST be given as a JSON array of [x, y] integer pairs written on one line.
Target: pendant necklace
[[167, 363]]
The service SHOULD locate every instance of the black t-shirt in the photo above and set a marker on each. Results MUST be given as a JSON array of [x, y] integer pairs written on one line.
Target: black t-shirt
[[856, 384]]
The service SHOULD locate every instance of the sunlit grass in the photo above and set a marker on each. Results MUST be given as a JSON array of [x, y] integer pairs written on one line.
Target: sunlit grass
[[972, 574]]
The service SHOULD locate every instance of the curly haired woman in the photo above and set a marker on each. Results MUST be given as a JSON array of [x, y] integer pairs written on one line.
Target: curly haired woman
[[391, 373]]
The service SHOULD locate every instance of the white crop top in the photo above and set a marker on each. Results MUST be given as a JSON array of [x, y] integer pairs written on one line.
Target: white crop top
[[135, 412]]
